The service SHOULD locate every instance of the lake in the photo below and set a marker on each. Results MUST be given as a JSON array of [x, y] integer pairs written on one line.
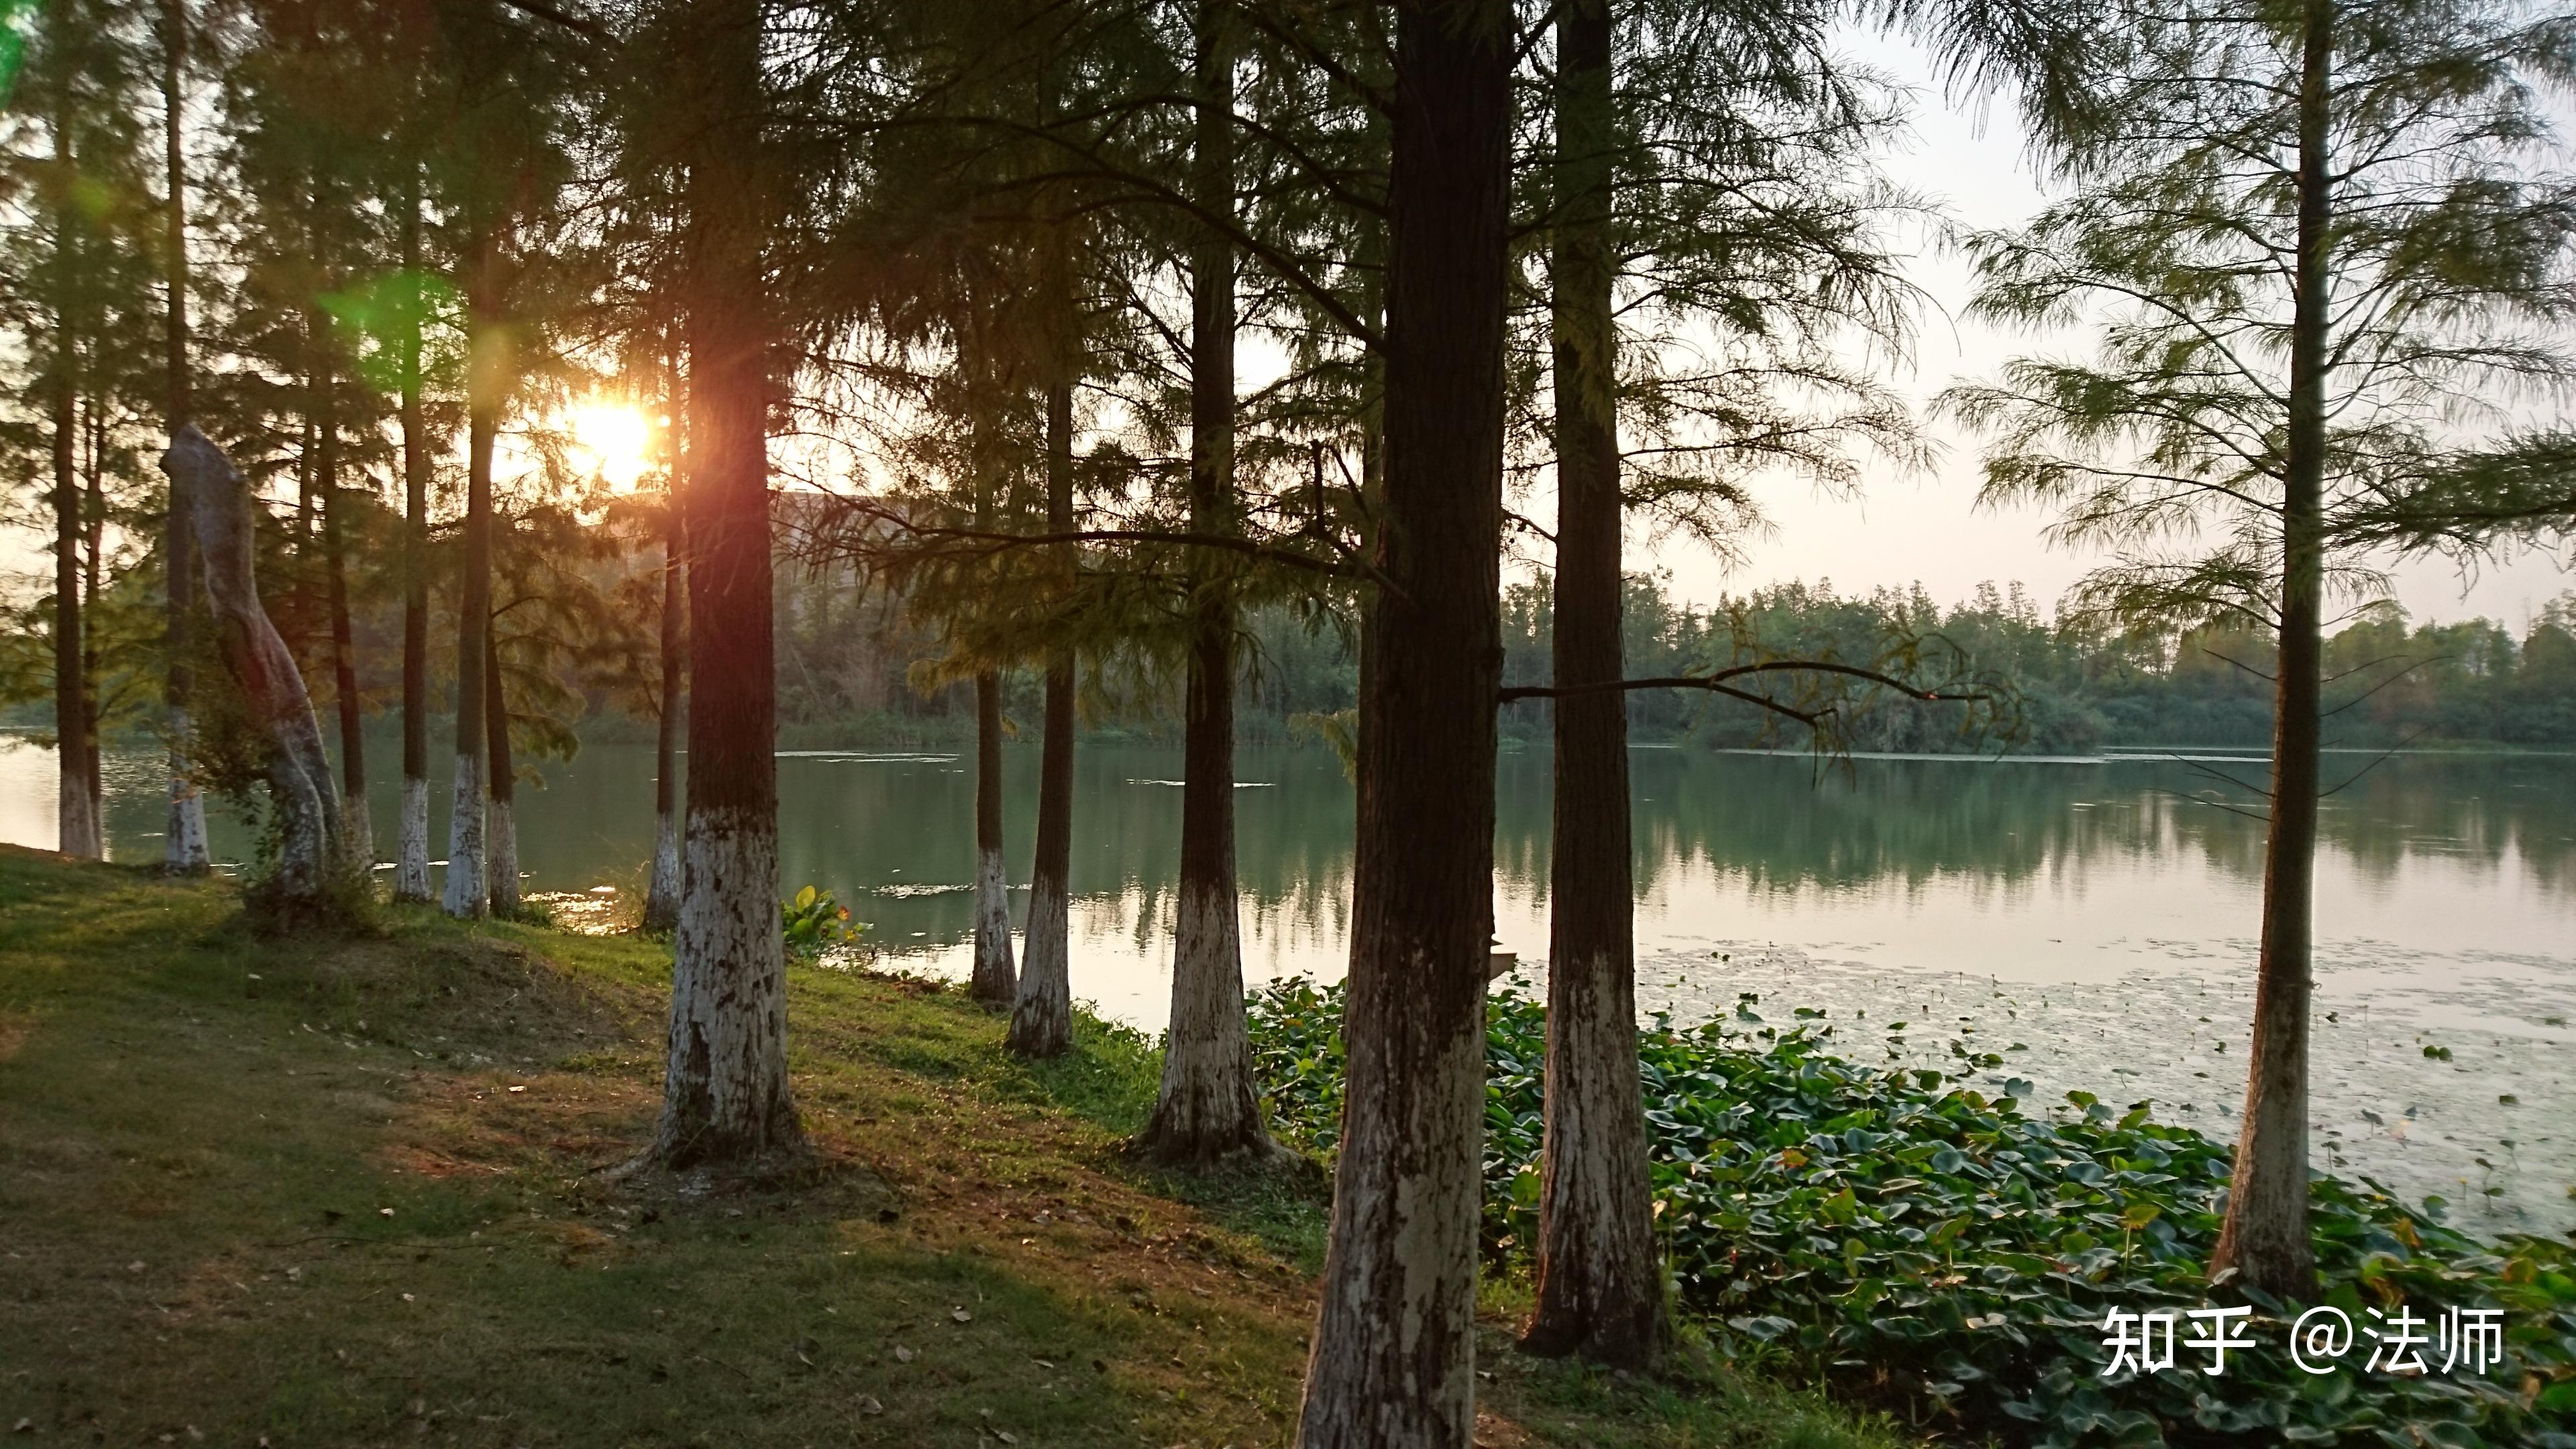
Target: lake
[[2091, 921]]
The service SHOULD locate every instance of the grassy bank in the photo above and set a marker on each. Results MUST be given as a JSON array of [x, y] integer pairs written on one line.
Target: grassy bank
[[349, 1192]]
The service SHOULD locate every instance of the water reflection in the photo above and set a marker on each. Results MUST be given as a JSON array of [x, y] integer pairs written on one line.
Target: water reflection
[[2096, 909]]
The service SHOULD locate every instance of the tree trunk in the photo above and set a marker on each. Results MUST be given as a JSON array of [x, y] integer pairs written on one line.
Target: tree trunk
[[467, 893], [662, 896], [501, 845], [78, 831], [2264, 1238], [1042, 1016], [299, 778], [725, 1097], [357, 829], [183, 835], [93, 555], [1394, 1347], [993, 980], [1599, 1289], [411, 851], [1208, 1109]]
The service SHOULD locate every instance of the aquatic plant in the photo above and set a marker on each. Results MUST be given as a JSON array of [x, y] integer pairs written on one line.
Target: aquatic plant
[[813, 921], [1904, 1235]]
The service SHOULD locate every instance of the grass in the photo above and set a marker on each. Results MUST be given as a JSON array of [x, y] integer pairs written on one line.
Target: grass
[[350, 1192]]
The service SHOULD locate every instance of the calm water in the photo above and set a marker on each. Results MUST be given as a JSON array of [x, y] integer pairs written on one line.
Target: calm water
[[2092, 921]]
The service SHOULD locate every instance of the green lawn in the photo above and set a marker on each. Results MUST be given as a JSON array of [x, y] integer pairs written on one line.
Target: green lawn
[[352, 1192]]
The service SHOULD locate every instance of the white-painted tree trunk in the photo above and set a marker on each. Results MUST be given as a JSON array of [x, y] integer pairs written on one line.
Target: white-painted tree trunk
[[411, 857], [76, 816], [726, 1096], [1042, 1016], [184, 850], [995, 978], [1207, 1110], [1394, 1346], [662, 896], [501, 849], [466, 896]]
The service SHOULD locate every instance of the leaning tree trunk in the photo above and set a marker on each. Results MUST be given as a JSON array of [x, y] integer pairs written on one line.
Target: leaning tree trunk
[[2264, 1238], [411, 849], [993, 978], [501, 841], [1599, 1288], [1394, 1347], [357, 829], [78, 830], [467, 893], [300, 791], [1042, 1015], [662, 896], [183, 836], [1207, 1109], [725, 1098]]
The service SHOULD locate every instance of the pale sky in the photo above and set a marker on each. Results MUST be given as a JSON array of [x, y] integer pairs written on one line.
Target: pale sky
[[1927, 528], [1923, 527]]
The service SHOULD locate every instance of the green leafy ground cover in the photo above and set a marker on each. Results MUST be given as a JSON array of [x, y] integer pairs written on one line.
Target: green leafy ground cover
[[348, 1191], [1899, 1233]]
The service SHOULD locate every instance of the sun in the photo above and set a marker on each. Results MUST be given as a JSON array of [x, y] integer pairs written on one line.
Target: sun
[[614, 440]]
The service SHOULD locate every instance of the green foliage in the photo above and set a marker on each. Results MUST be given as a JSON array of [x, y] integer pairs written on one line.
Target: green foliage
[[814, 922], [1870, 1222]]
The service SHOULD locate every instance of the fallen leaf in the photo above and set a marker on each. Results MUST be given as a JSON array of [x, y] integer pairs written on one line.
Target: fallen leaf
[[902, 1354], [384, 1212], [28, 1426], [959, 1313], [406, 1298], [868, 1404]]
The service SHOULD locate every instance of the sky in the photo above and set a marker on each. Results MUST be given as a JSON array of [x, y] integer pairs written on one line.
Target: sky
[[1926, 527]]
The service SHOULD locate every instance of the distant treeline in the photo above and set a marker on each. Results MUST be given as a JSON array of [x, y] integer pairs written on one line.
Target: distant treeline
[[847, 667], [851, 663]]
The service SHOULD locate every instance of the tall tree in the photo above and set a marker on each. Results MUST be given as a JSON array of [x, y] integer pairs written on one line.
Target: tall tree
[[467, 893], [1042, 1012], [1599, 1281], [725, 1094], [411, 845], [79, 831], [184, 831], [2324, 237], [1393, 1360], [1207, 1109]]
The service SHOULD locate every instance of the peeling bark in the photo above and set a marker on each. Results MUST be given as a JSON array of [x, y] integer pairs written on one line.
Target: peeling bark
[[993, 979], [1600, 1291], [300, 786], [1393, 1360]]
